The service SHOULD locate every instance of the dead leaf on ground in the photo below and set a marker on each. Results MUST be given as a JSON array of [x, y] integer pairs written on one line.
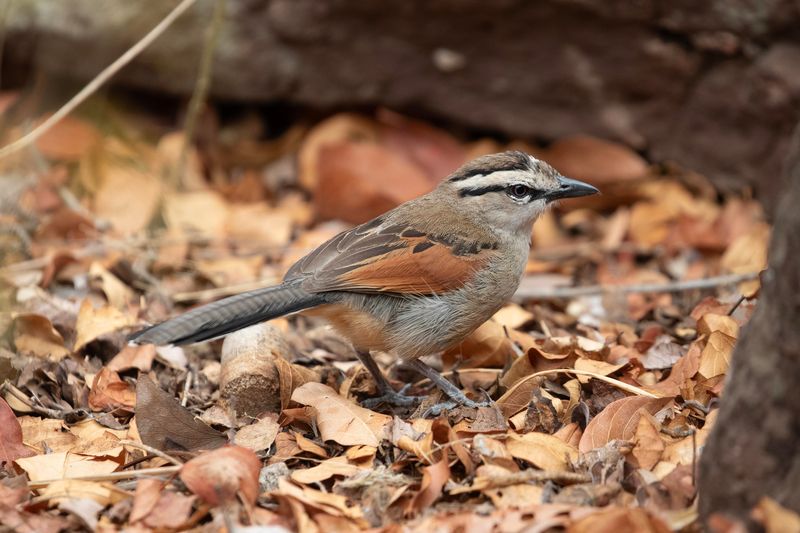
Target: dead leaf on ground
[[133, 356], [120, 184], [648, 444], [110, 392], [341, 420], [63, 465], [618, 421], [544, 451], [595, 160], [433, 150], [182, 213], [68, 139], [349, 188], [434, 478], [716, 356], [11, 446], [164, 424], [35, 335], [619, 519], [157, 508], [335, 129], [217, 476], [335, 466], [487, 346], [94, 322], [259, 435]]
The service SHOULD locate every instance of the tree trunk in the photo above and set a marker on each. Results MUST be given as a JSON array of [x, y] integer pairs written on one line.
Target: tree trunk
[[753, 450]]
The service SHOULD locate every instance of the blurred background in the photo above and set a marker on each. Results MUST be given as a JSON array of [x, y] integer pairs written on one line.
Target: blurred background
[[713, 86]]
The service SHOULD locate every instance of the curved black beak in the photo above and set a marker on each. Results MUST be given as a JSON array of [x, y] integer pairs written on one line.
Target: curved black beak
[[569, 188]]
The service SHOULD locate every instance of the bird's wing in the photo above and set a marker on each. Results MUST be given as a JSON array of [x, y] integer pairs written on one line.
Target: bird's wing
[[380, 257]]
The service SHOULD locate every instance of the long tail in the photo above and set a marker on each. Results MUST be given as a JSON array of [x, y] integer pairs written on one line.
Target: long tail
[[228, 315]]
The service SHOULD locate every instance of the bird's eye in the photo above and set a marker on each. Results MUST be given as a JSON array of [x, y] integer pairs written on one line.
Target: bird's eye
[[518, 191]]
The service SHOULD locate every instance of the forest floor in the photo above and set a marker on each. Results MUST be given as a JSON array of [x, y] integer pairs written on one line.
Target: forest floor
[[603, 395]]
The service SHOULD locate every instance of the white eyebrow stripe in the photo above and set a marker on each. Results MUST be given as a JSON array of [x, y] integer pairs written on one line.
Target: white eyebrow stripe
[[480, 181]]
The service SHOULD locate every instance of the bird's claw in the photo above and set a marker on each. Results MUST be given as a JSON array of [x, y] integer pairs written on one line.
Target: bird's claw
[[439, 408], [392, 397]]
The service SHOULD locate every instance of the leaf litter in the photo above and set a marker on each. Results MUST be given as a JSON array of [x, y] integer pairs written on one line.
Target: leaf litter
[[603, 402]]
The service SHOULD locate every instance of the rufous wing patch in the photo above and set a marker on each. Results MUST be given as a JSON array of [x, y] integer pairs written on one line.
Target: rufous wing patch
[[421, 268]]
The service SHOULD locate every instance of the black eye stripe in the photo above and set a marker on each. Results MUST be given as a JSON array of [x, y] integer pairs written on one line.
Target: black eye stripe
[[477, 191]]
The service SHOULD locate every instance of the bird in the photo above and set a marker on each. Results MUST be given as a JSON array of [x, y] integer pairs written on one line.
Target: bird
[[413, 281]]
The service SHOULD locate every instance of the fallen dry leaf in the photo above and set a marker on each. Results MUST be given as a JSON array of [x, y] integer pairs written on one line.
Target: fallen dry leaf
[[259, 435], [117, 293], [349, 189], [120, 184], [62, 465], [336, 129], [219, 475], [133, 356], [181, 212], [93, 322], [594, 160], [716, 356], [11, 446], [164, 424], [619, 519], [341, 420], [487, 346], [434, 478], [335, 466], [648, 444], [618, 421], [68, 139], [35, 335], [711, 322], [541, 450], [110, 392], [158, 508]]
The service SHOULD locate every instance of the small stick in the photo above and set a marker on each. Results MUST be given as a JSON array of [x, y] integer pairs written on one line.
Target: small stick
[[113, 476], [526, 476], [152, 451], [557, 293], [32, 136], [201, 86], [187, 385], [617, 383]]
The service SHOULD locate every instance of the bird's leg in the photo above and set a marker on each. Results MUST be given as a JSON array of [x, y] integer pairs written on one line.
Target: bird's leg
[[386, 394], [457, 397]]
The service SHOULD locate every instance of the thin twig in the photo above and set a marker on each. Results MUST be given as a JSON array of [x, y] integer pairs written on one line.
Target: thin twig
[[97, 82], [201, 86], [152, 451], [113, 476], [556, 293], [187, 386], [33, 405], [617, 383], [526, 476]]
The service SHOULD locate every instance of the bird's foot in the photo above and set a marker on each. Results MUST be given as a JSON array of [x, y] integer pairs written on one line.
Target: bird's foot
[[457, 398], [392, 397]]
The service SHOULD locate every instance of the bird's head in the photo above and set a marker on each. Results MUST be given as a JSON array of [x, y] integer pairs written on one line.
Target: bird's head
[[511, 189]]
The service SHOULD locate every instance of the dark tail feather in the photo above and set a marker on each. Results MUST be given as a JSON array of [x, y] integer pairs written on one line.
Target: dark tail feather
[[228, 315]]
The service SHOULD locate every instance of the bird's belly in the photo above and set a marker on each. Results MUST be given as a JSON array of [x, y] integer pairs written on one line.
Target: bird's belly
[[363, 329]]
